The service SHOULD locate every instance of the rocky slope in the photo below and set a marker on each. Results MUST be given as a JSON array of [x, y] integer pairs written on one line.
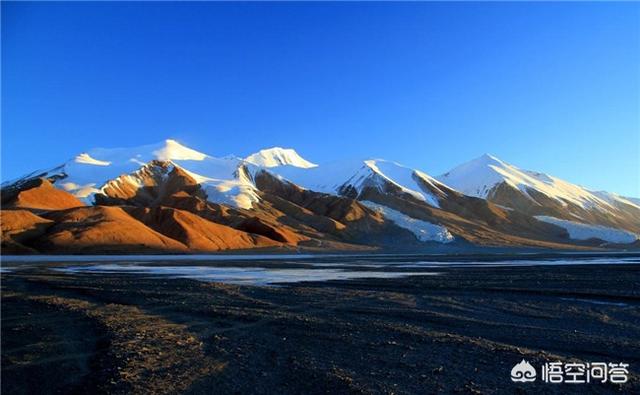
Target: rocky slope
[[170, 198]]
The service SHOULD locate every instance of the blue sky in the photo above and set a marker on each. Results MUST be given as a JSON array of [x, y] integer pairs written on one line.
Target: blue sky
[[553, 87]]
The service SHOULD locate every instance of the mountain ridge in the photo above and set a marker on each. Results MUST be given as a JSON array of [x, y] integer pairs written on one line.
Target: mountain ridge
[[275, 194]]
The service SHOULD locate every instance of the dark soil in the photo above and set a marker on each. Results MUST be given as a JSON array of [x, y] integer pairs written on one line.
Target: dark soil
[[459, 332]]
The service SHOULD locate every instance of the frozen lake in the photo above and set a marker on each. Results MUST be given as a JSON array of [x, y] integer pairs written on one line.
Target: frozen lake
[[283, 269]]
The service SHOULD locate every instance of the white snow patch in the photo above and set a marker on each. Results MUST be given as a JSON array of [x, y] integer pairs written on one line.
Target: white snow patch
[[424, 231], [277, 156], [223, 181], [615, 198], [580, 231], [173, 150], [80, 191], [633, 200], [88, 160]]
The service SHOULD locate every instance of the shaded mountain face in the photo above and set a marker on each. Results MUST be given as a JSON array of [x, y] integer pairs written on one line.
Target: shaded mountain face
[[37, 194], [170, 198], [20, 226]]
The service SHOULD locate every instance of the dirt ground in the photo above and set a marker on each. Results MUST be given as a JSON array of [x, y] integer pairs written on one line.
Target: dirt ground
[[457, 332]]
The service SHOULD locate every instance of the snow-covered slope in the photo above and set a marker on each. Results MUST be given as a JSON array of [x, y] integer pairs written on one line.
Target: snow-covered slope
[[335, 177], [480, 176], [423, 230], [635, 201], [224, 180], [614, 199], [580, 231], [276, 156]]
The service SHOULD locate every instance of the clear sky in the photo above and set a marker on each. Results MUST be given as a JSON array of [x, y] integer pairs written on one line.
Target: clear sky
[[552, 87]]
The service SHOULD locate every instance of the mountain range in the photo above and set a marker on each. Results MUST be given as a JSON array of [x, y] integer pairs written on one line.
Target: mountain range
[[170, 198]]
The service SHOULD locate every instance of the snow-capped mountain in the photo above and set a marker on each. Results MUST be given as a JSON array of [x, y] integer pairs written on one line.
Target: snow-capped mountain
[[354, 177], [276, 156], [89, 173], [481, 176], [223, 179], [85, 174], [279, 195], [540, 194]]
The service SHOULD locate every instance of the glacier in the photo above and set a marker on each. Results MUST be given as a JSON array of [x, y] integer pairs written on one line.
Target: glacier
[[424, 231], [580, 231]]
